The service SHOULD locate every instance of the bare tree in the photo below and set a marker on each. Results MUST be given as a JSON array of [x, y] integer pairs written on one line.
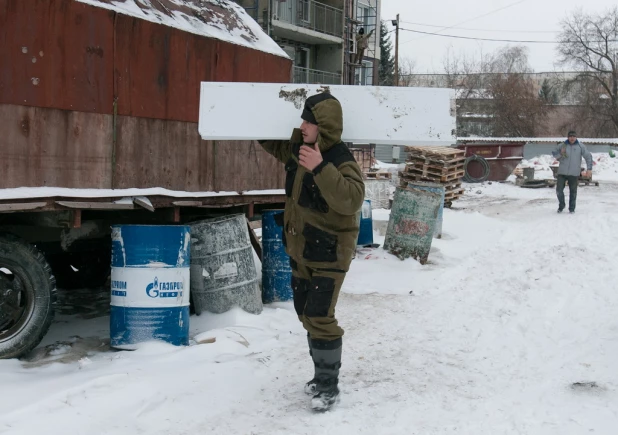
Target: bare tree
[[467, 74], [406, 71], [589, 44], [495, 94], [510, 60], [516, 107]]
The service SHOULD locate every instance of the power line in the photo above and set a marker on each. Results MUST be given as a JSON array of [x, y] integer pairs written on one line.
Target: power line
[[473, 18], [484, 30], [477, 39], [496, 40]]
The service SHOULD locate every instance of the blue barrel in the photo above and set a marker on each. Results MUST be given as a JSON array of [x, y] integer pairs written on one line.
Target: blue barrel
[[365, 234], [412, 223], [276, 270], [434, 188], [150, 284]]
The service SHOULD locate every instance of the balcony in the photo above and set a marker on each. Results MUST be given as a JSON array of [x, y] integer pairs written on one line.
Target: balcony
[[314, 76], [307, 21]]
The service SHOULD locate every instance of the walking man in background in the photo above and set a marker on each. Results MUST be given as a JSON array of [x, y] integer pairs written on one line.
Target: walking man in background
[[570, 154], [324, 193]]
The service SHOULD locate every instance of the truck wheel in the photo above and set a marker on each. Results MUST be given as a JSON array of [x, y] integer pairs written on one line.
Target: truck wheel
[[27, 295]]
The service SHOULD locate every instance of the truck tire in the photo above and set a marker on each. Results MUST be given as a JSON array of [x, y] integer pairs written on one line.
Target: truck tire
[[27, 296]]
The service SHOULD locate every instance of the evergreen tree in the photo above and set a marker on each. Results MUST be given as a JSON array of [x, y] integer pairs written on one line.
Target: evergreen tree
[[386, 70], [548, 93]]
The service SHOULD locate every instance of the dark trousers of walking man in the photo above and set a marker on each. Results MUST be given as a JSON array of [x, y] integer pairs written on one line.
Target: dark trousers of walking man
[[573, 183]]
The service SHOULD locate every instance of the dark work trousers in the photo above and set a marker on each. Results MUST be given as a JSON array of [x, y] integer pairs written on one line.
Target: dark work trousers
[[315, 295], [573, 183]]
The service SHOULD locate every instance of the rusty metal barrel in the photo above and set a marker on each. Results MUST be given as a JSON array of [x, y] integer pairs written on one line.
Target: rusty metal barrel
[[435, 188], [223, 272], [412, 223]]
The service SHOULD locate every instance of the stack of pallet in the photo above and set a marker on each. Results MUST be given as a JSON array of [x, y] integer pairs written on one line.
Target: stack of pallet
[[364, 157], [436, 164]]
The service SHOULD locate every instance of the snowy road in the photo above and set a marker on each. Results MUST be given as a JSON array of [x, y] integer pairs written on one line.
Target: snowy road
[[516, 305]]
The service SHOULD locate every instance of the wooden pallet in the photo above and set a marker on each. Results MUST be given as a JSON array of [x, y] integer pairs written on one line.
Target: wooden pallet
[[423, 176], [436, 152], [378, 175], [455, 194], [437, 163], [452, 186], [364, 157], [427, 169], [448, 186]]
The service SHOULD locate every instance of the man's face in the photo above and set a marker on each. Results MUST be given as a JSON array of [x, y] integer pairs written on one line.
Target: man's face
[[310, 132], [572, 139]]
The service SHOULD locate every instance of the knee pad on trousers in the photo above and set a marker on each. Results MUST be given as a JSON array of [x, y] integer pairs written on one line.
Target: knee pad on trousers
[[300, 287], [320, 296]]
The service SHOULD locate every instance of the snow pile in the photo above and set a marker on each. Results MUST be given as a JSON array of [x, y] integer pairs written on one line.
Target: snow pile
[[382, 165], [220, 19], [604, 167], [509, 329], [539, 163]]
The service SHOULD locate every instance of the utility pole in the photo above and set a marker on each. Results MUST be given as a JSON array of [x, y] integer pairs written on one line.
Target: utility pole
[[396, 23]]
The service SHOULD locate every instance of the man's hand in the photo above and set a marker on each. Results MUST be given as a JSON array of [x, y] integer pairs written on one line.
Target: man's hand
[[310, 157], [587, 174]]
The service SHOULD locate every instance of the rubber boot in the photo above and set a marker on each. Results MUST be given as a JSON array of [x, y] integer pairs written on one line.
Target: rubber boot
[[310, 387], [327, 361]]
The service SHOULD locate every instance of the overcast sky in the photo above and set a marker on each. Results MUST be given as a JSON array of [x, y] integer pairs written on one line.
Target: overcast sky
[[537, 20]]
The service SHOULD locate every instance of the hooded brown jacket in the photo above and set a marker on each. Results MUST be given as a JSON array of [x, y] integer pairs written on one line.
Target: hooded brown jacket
[[322, 209]]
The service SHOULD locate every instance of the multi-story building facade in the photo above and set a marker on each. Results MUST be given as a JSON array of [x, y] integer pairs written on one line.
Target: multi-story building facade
[[367, 17], [320, 37]]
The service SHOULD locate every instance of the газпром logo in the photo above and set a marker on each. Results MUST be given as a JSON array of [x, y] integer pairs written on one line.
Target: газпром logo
[[158, 289]]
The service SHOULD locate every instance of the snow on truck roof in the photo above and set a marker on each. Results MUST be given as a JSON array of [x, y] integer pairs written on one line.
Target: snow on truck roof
[[219, 19]]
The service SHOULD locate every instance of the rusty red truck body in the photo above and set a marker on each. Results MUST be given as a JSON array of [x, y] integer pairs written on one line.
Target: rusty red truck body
[[99, 106]]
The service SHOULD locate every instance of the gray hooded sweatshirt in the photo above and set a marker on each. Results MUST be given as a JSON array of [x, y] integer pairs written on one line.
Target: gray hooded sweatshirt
[[570, 158]]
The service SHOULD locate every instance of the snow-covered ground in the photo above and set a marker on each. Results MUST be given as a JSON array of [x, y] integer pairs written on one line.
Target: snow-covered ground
[[516, 306]]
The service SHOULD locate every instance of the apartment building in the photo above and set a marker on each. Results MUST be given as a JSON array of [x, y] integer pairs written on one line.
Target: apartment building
[[320, 37], [367, 17]]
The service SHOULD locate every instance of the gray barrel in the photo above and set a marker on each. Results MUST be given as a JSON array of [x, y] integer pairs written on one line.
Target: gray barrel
[[223, 272]]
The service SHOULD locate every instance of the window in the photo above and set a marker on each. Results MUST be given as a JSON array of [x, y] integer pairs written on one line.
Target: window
[[304, 6], [367, 16], [364, 75], [301, 58]]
